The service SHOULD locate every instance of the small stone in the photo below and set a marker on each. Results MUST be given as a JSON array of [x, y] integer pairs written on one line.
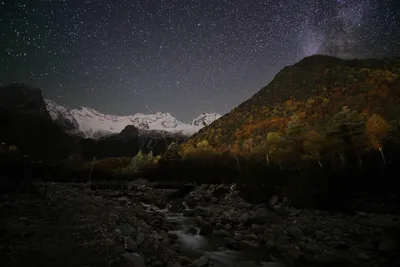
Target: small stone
[[165, 241], [251, 237], [247, 264], [319, 235], [221, 232], [139, 239], [183, 260], [295, 232], [341, 245], [362, 213], [273, 201], [203, 261], [157, 263], [129, 244], [119, 249], [125, 229], [191, 230], [388, 243], [363, 256], [272, 264], [134, 258], [270, 244], [176, 247], [172, 236], [367, 246], [117, 235], [252, 244], [336, 231], [141, 212], [238, 236]]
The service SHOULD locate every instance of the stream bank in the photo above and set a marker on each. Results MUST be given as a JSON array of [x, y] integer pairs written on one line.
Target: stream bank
[[210, 226]]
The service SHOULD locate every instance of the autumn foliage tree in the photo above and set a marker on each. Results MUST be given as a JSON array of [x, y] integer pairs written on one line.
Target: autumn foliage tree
[[323, 113], [377, 130], [313, 144], [275, 143], [295, 134]]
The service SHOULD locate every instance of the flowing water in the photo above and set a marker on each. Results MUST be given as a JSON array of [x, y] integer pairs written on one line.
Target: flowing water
[[193, 245]]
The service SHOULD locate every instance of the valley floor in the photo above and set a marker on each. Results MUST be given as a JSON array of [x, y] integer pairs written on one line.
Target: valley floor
[[211, 226]]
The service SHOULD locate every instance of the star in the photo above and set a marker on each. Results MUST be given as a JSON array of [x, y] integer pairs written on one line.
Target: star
[[181, 57]]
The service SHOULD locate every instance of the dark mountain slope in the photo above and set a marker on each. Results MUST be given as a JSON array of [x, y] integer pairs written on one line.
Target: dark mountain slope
[[26, 123], [313, 108]]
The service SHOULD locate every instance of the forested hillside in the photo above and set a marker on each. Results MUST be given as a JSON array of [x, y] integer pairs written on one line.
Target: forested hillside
[[319, 108]]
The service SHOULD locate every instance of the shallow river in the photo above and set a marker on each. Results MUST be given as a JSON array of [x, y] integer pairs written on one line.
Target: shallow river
[[194, 245]]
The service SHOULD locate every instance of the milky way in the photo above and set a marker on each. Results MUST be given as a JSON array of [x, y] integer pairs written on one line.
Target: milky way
[[179, 56]]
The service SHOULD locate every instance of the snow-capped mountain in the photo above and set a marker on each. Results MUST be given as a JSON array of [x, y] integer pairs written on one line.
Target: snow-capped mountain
[[205, 119], [93, 124]]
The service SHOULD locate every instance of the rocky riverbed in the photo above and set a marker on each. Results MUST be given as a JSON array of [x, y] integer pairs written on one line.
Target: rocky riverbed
[[210, 226]]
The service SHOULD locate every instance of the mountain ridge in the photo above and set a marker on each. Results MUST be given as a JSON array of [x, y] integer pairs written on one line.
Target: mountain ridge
[[90, 123], [309, 102]]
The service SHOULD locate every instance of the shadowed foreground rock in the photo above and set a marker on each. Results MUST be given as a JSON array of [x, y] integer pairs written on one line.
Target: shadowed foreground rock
[[76, 226]]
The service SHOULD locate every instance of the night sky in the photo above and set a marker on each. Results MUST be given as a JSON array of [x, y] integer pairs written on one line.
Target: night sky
[[179, 56]]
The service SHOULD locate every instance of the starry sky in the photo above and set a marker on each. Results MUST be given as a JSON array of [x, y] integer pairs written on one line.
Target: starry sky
[[185, 57]]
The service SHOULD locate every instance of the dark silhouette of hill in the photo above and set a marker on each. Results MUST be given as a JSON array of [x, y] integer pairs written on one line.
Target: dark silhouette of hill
[[26, 123]]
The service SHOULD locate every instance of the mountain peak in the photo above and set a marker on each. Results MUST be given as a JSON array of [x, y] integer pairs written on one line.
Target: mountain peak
[[205, 119], [91, 123]]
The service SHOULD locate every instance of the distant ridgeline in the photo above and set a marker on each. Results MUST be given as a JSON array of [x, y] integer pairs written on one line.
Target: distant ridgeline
[[314, 111]]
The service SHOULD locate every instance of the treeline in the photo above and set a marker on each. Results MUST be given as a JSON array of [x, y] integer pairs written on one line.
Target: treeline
[[313, 114], [324, 182]]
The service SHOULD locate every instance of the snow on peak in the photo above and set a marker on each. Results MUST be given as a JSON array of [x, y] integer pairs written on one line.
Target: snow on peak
[[93, 124], [205, 119]]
